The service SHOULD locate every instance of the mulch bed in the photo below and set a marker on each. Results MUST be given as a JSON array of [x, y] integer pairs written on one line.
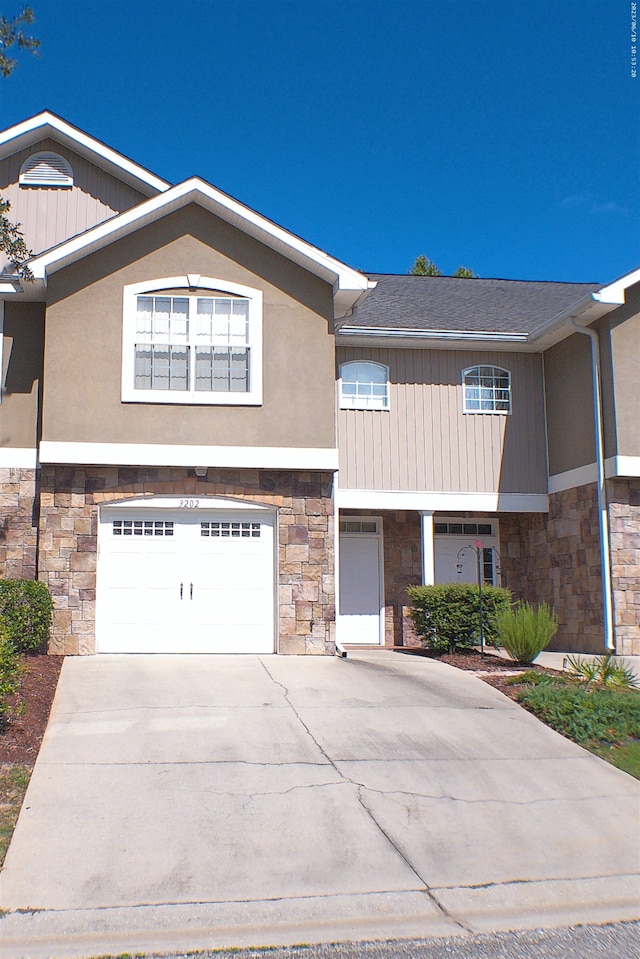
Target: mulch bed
[[21, 731]]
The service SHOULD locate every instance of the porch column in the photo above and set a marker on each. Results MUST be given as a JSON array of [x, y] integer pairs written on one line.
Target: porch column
[[428, 553]]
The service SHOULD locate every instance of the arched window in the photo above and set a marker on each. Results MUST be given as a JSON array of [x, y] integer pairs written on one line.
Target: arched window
[[487, 389], [192, 339], [46, 169], [364, 385]]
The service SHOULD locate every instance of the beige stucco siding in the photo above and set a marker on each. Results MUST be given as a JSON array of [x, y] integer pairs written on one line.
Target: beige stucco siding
[[21, 374], [569, 404], [83, 360], [51, 215], [425, 441]]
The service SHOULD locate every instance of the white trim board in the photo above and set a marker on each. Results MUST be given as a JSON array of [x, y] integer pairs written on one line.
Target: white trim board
[[349, 285], [583, 475], [442, 501], [46, 124], [155, 454], [18, 458], [187, 504]]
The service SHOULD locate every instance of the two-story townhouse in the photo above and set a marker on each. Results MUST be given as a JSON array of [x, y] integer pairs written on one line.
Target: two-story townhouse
[[478, 422], [173, 463]]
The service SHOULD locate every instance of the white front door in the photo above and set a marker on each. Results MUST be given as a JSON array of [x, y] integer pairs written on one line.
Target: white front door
[[360, 619], [194, 581], [454, 547]]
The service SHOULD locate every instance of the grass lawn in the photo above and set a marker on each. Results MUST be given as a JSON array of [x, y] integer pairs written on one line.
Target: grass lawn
[[604, 719], [14, 780]]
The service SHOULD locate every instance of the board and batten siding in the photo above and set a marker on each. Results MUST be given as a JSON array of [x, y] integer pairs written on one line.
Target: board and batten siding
[[50, 215], [425, 442]]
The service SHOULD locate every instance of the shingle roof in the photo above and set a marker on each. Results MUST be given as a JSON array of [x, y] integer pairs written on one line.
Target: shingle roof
[[465, 305]]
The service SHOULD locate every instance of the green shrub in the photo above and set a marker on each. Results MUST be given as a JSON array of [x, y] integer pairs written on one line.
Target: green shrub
[[525, 632], [10, 670], [446, 617], [585, 715], [26, 608], [604, 671], [532, 678]]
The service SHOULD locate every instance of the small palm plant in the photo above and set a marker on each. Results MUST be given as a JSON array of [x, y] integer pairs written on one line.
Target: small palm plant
[[603, 671], [525, 632]]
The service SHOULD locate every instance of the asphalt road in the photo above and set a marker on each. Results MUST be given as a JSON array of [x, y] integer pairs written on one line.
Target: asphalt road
[[615, 941]]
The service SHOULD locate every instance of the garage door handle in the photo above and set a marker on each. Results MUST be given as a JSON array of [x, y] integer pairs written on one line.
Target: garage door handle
[[180, 590], [191, 591]]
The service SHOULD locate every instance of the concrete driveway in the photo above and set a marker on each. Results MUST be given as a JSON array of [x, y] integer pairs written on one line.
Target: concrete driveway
[[207, 801]]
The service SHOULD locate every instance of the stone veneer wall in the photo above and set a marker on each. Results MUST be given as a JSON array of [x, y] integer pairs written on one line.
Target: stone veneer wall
[[555, 557], [624, 532], [18, 523], [401, 535], [70, 500]]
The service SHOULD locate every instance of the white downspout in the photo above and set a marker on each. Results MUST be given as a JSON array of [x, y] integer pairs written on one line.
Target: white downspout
[[603, 516]]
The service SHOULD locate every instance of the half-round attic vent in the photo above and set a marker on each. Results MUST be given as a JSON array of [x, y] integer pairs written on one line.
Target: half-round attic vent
[[46, 169]]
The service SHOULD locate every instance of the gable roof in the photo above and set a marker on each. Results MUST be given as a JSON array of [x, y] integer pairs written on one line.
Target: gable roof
[[452, 304], [47, 124], [348, 285]]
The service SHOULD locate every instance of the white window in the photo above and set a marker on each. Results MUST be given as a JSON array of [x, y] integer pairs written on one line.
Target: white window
[[186, 344], [364, 385], [46, 169], [487, 389]]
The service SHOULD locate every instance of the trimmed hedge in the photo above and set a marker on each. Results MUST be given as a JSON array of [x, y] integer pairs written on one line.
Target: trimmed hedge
[[10, 670], [446, 617], [26, 608]]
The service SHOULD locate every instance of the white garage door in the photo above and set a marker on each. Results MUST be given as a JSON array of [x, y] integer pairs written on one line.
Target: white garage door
[[194, 581]]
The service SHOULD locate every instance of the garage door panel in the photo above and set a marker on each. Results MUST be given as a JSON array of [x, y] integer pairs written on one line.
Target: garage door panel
[[224, 562]]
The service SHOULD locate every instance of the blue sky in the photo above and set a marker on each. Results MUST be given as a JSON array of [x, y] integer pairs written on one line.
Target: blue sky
[[492, 133]]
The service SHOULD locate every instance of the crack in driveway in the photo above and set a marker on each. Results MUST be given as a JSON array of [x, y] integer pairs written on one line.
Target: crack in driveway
[[359, 794]]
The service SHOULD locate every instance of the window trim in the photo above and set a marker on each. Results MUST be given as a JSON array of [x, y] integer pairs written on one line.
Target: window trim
[[193, 286], [344, 405], [491, 412]]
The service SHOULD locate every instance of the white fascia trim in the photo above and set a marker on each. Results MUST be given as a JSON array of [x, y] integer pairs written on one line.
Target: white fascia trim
[[348, 284], [156, 454], [615, 292], [583, 475], [45, 123], [443, 502], [10, 285], [18, 458], [371, 332]]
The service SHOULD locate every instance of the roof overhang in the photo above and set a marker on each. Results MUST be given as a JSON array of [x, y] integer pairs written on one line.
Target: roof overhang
[[47, 124], [585, 311], [348, 285], [388, 338]]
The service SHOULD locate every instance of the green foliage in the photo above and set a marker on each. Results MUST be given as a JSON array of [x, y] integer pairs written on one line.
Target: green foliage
[[625, 756], [446, 617], [532, 678], [604, 671], [585, 715], [12, 34], [10, 670], [423, 266], [525, 632], [464, 273], [12, 243], [26, 608]]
